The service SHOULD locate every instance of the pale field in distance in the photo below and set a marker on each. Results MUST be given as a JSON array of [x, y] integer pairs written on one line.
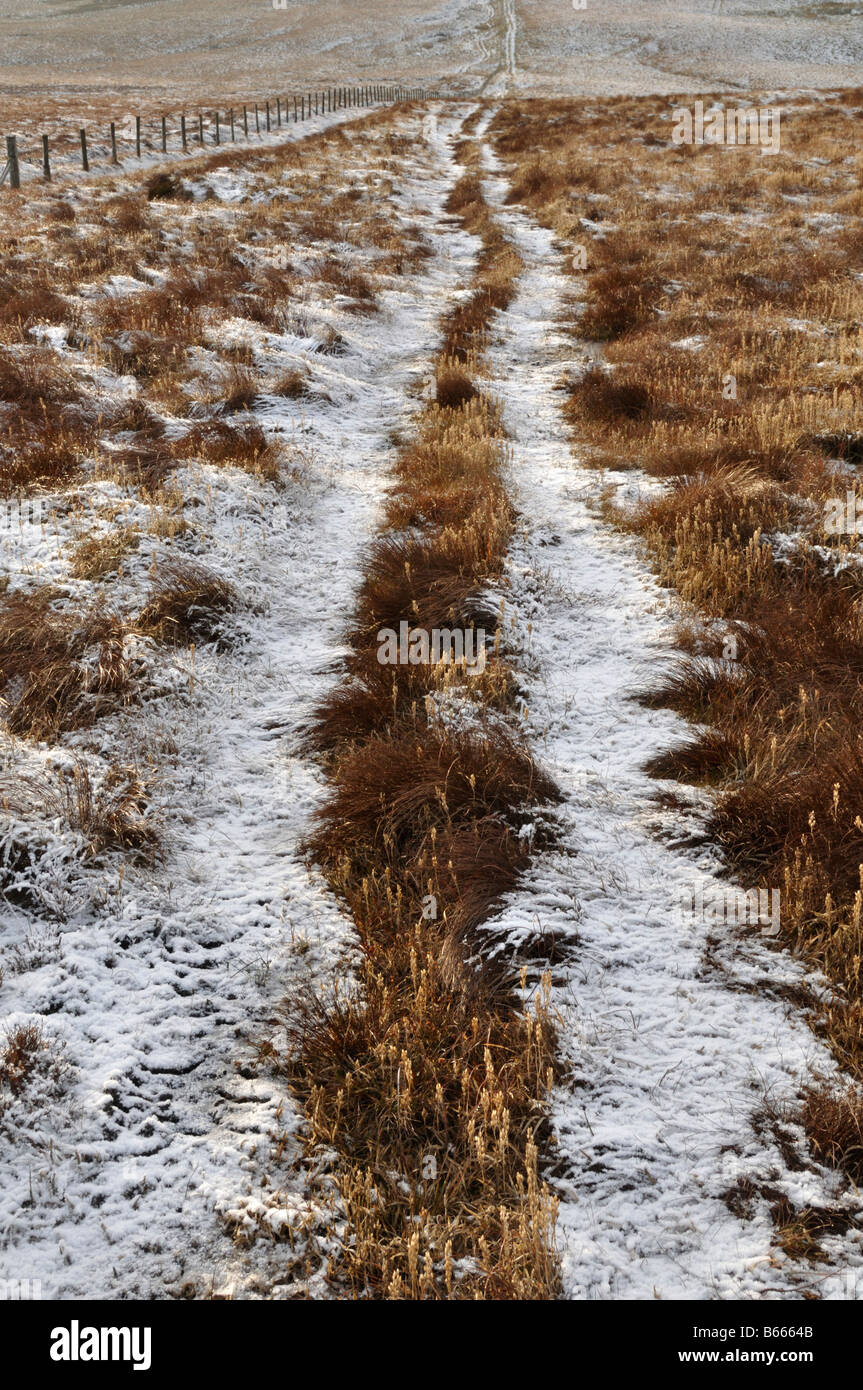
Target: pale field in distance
[[83, 53]]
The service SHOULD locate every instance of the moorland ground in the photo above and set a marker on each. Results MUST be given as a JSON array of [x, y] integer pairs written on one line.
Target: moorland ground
[[327, 977]]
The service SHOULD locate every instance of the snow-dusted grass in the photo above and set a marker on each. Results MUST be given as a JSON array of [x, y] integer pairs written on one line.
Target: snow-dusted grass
[[429, 1077], [707, 535], [260, 416], [152, 982]]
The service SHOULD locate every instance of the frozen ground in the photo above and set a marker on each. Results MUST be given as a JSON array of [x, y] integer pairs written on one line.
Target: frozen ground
[[155, 984], [146, 1139], [160, 51], [675, 1041]]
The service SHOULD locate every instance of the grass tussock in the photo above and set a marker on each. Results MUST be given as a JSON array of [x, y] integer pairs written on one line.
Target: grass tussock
[[453, 385], [112, 812], [236, 446], [833, 1120], [47, 424], [96, 556], [188, 604], [20, 1053], [60, 669]]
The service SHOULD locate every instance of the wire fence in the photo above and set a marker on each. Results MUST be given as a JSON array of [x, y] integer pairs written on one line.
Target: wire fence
[[165, 135]]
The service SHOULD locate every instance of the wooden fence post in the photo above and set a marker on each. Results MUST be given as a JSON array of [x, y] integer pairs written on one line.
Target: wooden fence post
[[114, 159], [268, 118], [233, 136], [218, 133], [164, 135], [46, 161], [183, 132], [138, 136], [295, 108], [279, 112], [84, 163], [257, 121], [12, 161], [303, 106]]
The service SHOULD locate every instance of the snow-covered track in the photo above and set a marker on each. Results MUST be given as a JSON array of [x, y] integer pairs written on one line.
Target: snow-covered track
[[679, 1048]]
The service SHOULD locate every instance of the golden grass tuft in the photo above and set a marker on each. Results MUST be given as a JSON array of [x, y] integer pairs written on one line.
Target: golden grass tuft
[[60, 669], [188, 603]]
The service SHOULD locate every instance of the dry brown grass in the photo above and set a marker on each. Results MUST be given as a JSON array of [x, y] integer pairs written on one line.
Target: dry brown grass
[[166, 184], [236, 446], [20, 1053], [430, 582], [98, 555], [467, 323], [240, 390], [351, 283], [117, 815], [28, 297], [730, 313], [833, 1120], [429, 1077], [47, 424], [60, 669], [453, 385], [113, 815], [188, 603], [292, 385], [432, 1078]]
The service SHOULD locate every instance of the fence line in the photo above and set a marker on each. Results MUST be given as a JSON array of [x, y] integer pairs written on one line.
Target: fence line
[[326, 101]]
